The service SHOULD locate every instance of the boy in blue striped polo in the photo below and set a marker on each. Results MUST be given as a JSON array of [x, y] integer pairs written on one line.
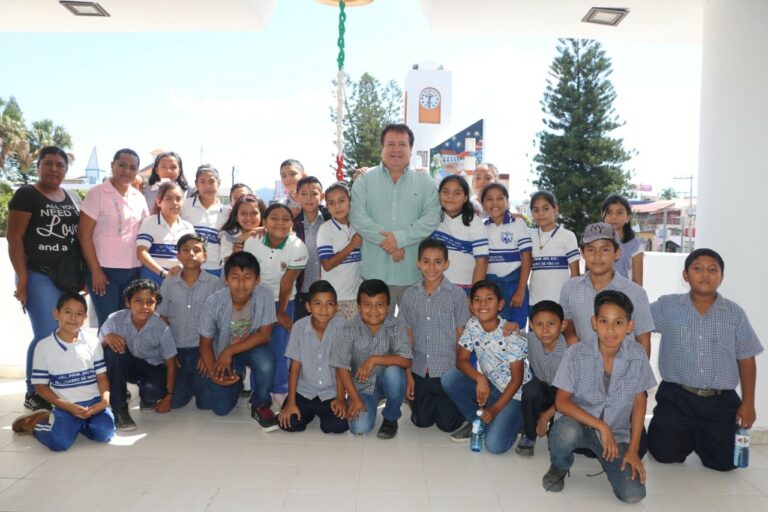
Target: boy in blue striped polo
[[139, 348], [435, 312], [708, 347], [601, 398], [313, 387], [69, 372], [600, 249]]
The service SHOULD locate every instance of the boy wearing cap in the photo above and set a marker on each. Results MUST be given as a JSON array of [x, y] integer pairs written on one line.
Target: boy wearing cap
[[600, 248]]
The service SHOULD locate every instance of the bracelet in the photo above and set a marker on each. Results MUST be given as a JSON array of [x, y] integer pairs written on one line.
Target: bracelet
[[163, 273]]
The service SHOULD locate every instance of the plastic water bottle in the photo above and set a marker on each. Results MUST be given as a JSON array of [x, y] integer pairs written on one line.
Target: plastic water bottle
[[740, 449], [478, 433]]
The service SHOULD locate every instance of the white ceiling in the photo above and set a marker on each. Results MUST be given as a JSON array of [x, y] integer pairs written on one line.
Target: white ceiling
[[658, 21], [138, 16]]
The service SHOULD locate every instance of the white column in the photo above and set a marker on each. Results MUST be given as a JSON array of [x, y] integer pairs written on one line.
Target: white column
[[732, 217]]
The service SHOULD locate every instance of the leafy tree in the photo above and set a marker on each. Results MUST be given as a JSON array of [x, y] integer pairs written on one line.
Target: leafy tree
[[368, 108], [668, 194], [577, 160], [19, 144]]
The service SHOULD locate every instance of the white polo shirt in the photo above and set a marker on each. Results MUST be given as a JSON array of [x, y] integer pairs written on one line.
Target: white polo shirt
[[553, 252], [207, 223], [332, 237], [506, 244], [69, 369], [291, 254], [465, 244], [161, 238]]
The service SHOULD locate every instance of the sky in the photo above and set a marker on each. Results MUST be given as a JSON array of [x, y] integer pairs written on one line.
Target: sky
[[250, 100]]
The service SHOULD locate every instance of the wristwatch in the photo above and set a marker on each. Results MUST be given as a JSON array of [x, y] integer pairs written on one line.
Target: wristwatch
[[163, 273]]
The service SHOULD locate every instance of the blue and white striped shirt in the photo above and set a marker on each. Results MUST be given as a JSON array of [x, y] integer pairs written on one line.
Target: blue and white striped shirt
[[69, 369], [702, 351], [506, 244], [160, 238], [207, 222], [465, 245]]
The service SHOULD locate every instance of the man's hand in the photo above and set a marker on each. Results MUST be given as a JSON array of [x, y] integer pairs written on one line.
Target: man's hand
[[398, 255], [389, 244], [364, 370], [164, 405], [286, 412], [610, 448], [633, 459], [115, 342], [355, 407], [482, 391], [746, 415]]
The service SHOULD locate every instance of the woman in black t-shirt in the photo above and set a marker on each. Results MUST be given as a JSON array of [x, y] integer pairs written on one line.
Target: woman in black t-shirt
[[42, 221]]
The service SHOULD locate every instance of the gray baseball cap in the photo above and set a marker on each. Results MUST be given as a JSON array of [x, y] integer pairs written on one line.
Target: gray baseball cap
[[599, 231]]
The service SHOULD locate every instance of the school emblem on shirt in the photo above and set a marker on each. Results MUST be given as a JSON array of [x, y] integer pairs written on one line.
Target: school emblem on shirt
[[283, 266], [507, 237]]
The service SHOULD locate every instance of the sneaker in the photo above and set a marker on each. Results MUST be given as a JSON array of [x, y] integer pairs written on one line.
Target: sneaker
[[463, 433], [525, 446], [123, 420], [147, 406], [25, 424], [554, 480], [388, 429], [35, 402], [264, 416]]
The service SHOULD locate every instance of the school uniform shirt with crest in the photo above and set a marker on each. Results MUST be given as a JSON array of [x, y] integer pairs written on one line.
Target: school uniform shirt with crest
[[69, 369], [465, 245], [332, 237], [506, 244], [160, 238], [495, 352], [274, 261], [553, 252], [207, 222]]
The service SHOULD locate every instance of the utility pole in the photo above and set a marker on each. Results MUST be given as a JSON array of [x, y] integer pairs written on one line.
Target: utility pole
[[690, 208]]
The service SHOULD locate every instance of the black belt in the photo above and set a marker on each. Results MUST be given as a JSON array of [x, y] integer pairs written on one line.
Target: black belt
[[704, 393]]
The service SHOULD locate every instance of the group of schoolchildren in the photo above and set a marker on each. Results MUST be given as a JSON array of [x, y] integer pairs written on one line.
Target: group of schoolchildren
[[290, 307]]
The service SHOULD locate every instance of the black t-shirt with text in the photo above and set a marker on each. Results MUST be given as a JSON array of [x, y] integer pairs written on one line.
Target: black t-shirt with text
[[51, 229]]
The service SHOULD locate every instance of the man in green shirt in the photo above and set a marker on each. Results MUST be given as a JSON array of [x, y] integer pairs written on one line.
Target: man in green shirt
[[394, 208]]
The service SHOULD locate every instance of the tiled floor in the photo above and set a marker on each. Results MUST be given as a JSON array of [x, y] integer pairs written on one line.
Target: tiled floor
[[192, 461]]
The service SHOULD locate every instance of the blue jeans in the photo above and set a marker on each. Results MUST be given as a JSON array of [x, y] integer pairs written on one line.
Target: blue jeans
[[63, 432], [261, 361], [508, 286], [277, 343], [189, 382], [390, 384], [112, 300], [567, 435], [500, 434], [42, 296]]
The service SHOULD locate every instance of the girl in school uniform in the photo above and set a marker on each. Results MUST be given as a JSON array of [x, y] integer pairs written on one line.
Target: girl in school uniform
[[463, 234], [206, 213], [244, 222], [617, 212], [167, 167], [282, 257], [509, 249], [158, 234], [555, 250]]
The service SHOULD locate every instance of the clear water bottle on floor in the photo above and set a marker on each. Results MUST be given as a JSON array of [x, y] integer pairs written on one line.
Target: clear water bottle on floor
[[740, 449], [478, 433]]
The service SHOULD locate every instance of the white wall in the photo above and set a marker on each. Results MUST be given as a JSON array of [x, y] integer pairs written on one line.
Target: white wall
[[733, 156]]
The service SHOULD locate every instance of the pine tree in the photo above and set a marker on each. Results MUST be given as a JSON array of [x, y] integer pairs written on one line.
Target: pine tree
[[577, 160], [368, 107]]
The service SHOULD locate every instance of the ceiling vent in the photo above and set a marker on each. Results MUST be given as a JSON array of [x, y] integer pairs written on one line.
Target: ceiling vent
[[85, 8], [605, 16]]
